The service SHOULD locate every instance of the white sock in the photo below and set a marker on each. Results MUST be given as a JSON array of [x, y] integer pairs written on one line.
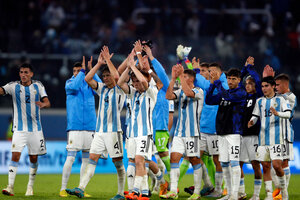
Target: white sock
[[137, 184], [287, 173], [130, 176], [67, 171], [205, 177], [197, 178], [160, 178], [236, 176], [89, 173], [160, 164], [174, 174], [218, 181], [283, 189], [227, 176], [84, 163], [145, 186], [32, 173], [242, 186], [153, 178], [12, 172], [268, 188], [275, 178], [121, 176], [257, 186]]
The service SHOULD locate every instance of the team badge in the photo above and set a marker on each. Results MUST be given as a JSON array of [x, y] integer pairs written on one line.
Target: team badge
[[275, 105]]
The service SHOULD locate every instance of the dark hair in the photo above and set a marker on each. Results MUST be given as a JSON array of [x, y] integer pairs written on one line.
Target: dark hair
[[234, 72], [269, 79], [103, 69], [77, 64], [145, 74], [215, 64], [204, 64], [26, 65], [190, 72], [283, 77]]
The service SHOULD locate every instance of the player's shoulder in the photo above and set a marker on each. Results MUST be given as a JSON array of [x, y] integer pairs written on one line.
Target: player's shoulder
[[198, 89], [37, 82], [13, 83]]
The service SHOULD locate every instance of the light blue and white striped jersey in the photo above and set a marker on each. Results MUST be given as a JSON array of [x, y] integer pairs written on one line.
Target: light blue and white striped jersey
[[111, 102], [189, 112], [272, 129], [142, 105], [25, 111], [291, 99]]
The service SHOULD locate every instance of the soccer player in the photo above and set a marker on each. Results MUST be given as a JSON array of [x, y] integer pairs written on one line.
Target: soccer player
[[187, 131], [271, 109], [29, 96], [249, 140], [228, 125], [108, 136], [282, 87], [81, 120], [142, 97]]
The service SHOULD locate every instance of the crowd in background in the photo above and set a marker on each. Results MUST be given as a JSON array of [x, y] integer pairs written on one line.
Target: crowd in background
[[83, 27]]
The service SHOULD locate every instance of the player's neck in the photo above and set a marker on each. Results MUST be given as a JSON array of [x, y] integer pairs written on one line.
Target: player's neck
[[271, 95], [26, 83]]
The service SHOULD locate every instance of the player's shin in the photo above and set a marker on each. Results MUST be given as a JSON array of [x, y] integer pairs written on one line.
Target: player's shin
[[197, 178], [236, 176], [174, 175], [67, 169], [12, 172], [121, 176], [227, 176], [85, 161], [130, 176], [89, 173], [32, 174]]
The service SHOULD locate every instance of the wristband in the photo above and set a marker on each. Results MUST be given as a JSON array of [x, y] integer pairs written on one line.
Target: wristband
[[150, 71], [82, 70], [138, 52], [197, 70]]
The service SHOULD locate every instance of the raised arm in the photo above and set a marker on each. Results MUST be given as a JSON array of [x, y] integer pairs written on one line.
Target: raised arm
[[89, 77], [170, 94], [107, 57], [140, 76], [122, 82], [123, 65], [138, 50], [185, 87], [210, 98]]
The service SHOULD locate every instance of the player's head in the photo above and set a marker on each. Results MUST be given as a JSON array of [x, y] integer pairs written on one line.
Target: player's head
[[282, 83], [214, 67], [189, 76], [250, 85], [204, 70], [76, 68], [25, 72], [268, 86], [136, 83], [233, 78], [106, 76]]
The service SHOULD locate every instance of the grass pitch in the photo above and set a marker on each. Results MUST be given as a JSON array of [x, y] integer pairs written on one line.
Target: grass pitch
[[104, 186]]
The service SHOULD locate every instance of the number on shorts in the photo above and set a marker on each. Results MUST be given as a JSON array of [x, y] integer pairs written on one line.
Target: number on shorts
[[191, 144], [283, 148], [235, 150], [256, 147], [161, 141], [215, 144], [276, 149], [144, 144], [116, 146], [42, 143]]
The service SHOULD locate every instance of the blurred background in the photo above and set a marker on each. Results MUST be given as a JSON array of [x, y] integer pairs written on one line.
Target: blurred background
[[53, 34]]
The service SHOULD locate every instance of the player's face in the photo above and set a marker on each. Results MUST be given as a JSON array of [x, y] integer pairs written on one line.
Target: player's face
[[250, 87], [76, 70], [137, 84], [25, 75], [188, 78], [281, 86], [233, 82], [204, 72], [107, 78], [267, 89]]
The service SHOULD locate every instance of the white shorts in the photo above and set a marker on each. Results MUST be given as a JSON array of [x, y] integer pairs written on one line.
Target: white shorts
[[108, 143], [188, 146], [34, 140], [209, 143], [287, 150], [80, 140], [269, 153], [140, 146], [229, 146], [249, 147]]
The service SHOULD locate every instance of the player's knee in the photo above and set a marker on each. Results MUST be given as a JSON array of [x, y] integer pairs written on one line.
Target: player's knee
[[119, 164], [33, 158], [224, 164], [15, 156], [277, 166]]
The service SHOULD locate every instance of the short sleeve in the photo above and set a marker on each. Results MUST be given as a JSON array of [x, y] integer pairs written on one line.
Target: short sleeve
[[198, 93], [42, 90], [256, 110], [177, 93], [132, 91], [152, 91], [171, 106], [285, 106], [8, 88], [99, 88]]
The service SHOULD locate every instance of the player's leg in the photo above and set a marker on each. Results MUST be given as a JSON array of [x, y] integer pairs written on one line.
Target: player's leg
[[86, 146], [264, 158], [118, 162], [67, 171], [161, 183], [130, 175], [184, 166], [225, 164], [244, 157], [197, 166], [161, 143]]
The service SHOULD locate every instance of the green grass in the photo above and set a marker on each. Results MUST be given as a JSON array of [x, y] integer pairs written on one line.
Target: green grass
[[47, 186]]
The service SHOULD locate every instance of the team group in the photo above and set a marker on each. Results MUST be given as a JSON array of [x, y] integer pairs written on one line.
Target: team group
[[235, 118]]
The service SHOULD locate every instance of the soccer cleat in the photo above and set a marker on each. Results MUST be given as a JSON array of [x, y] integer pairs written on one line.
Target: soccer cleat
[[225, 192], [189, 190], [163, 188], [29, 191], [63, 193], [118, 197], [242, 196], [226, 197], [215, 194], [86, 195], [206, 191], [126, 193], [254, 197], [278, 197], [194, 197], [76, 191], [169, 195], [143, 197], [8, 191], [276, 192], [132, 196]]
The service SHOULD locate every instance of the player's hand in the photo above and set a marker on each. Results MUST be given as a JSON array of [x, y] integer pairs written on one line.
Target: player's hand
[[101, 60], [268, 71], [148, 52], [83, 62], [249, 61], [214, 75], [138, 46], [273, 111], [106, 55], [250, 124], [196, 63], [90, 66], [130, 61], [180, 69], [174, 72], [41, 104]]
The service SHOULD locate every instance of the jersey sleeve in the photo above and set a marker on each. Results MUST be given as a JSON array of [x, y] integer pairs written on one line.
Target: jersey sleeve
[[99, 88], [285, 106], [131, 92], [152, 91], [256, 110], [171, 106], [198, 93], [177, 94], [8, 88], [42, 90]]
